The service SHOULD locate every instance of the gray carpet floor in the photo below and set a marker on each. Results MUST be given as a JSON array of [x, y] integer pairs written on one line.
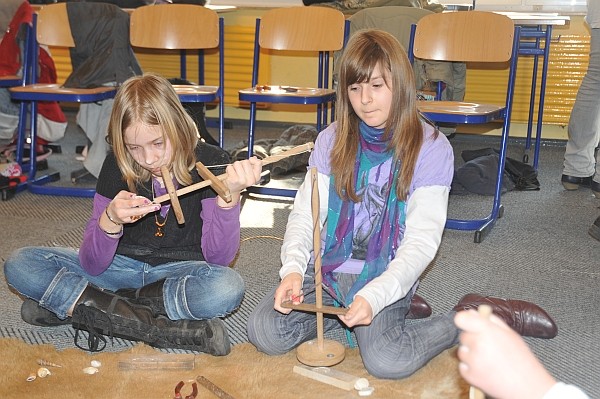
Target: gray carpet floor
[[538, 251]]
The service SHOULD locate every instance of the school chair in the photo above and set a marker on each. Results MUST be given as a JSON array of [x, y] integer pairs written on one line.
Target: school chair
[[51, 28], [311, 31], [181, 28], [478, 37]]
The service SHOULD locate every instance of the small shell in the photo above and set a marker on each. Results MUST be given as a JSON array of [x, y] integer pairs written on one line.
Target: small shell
[[43, 372], [361, 383], [31, 377], [90, 370], [366, 391], [96, 363], [43, 362]]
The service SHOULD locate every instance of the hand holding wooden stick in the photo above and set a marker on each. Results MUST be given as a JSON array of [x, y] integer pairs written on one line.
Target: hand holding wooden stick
[[269, 160]]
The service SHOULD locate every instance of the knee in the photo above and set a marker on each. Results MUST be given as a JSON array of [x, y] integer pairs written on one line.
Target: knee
[[379, 366], [13, 266], [261, 333], [232, 291]]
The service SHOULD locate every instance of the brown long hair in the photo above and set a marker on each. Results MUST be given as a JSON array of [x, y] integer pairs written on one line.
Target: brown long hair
[[151, 100], [365, 50]]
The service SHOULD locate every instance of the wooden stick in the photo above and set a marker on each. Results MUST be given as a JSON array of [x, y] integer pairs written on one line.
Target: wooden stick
[[268, 160], [309, 307], [216, 184], [485, 311], [205, 382], [317, 252], [166, 175]]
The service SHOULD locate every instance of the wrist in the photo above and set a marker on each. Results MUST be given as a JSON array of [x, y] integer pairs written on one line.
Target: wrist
[[110, 218], [109, 233]]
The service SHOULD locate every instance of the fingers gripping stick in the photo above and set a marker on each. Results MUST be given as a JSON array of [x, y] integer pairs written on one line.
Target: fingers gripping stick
[[172, 195]]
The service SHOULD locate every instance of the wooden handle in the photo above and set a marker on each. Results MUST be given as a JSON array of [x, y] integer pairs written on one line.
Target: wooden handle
[[485, 311], [216, 184], [309, 307], [172, 194], [205, 382], [268, 160]]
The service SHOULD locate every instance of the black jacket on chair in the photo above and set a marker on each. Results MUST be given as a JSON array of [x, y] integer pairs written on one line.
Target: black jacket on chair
[[102, 53]]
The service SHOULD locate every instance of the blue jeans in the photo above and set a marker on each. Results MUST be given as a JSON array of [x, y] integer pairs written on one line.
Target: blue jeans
[[584, 123], [388, 347], [192, 289]]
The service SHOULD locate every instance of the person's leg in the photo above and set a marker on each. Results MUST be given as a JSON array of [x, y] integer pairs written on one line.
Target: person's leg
[[584, 124], [188, 290], [391, 349], [275, 333]]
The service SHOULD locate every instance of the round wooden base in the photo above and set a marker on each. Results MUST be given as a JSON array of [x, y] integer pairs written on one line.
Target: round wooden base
[[309, 353]]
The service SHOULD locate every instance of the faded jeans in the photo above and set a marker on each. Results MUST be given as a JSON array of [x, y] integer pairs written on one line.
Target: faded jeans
[[192, 289], [584, 123], [389, 348]]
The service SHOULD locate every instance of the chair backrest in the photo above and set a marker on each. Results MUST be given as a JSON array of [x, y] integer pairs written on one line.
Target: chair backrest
[[302, 29], [174, 27], [396, 20], [53, 28], [468, 36]]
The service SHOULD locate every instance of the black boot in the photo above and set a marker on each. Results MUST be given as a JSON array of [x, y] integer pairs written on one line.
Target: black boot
[[150, 295], [34, 314], [104, 313]]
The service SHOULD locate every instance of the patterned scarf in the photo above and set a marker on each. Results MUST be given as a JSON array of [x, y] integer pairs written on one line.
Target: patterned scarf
[[382, 245]]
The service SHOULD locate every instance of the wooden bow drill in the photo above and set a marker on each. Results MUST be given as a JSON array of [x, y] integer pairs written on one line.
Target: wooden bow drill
[[215, 181], [320, 352]]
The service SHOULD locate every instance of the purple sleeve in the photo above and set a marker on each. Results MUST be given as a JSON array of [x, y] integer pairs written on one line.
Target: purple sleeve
[[97, 249], [320, 157], [220, 232], [435, 164]]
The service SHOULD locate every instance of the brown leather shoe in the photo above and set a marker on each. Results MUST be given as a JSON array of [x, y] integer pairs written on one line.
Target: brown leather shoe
[[526, 318], [419, 309]]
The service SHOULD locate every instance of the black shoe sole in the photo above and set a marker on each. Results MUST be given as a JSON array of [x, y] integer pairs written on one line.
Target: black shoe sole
[[572, 183]]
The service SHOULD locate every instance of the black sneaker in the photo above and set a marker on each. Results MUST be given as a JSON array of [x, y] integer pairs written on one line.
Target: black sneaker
[[32, 313], [209, 336], [595, 229]]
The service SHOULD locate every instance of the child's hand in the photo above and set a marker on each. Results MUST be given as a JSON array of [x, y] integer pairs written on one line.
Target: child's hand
[[290, 289], [241, 174], [359, 313], [495, 359], [128, 207]]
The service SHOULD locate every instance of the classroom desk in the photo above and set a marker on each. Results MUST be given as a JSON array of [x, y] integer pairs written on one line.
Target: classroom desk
[[535, 39]]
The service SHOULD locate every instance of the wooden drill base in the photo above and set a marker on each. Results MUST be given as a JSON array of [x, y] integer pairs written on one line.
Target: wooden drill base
[[309, 353]]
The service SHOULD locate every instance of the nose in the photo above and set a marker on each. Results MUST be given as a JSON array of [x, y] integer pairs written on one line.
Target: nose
[[365, 96], [150, 157]]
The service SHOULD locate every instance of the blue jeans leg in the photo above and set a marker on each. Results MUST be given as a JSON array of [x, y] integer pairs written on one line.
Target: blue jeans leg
[[54, 278]]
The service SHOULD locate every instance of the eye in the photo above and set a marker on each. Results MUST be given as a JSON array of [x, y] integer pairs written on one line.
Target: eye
[[159, 144], [133, 148]]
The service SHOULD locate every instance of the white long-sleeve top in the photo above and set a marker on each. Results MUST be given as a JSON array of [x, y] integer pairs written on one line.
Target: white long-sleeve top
[[426, 211]]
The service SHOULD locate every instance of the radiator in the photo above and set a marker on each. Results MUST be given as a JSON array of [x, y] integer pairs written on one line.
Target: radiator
[[567, 65]]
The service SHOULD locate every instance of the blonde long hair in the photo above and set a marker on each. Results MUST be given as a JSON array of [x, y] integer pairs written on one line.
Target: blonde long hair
[[365, 50], [151, 100]]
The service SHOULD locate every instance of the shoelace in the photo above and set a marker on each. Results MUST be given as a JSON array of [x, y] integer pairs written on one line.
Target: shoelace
[[87, 318], [186, 336]]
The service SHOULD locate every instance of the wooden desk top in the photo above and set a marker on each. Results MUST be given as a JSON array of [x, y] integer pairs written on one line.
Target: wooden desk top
[[534, 19]]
